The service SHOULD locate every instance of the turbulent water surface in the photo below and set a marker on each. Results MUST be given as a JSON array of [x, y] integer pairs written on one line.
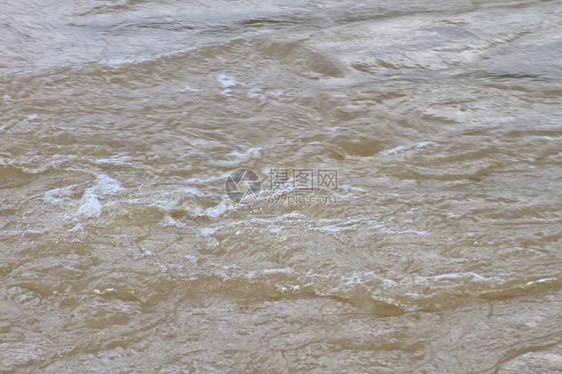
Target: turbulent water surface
[[399, 208]]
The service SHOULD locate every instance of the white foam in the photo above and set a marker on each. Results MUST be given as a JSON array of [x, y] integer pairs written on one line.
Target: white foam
[[37, 231], [337, 225], [194, 191], [107, 186], [251, 152], [212, 212], [346, 187], [451, 276], [276, 93], [77, 228], [544, 280], [208, 231], [165, 205], [118, 160], [171, 222], [294, 215], [90, 205], [402, 148], [275, 229], [123, 60], [103, 292], [359, 278], [218, 210], [228, 81], [235, 157], [410, 231], [255, 93], [279, 271], [59, 196]]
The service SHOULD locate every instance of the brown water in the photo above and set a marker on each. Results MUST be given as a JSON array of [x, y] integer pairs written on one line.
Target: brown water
[[428, 133]]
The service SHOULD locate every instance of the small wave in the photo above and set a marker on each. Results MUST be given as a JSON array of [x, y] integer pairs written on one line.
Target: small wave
[[59, 196], [90, 205], [404, 148], [227, 81], [454, 276]]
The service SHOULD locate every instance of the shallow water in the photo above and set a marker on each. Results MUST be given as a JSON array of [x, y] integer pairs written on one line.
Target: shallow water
[[407, 216]]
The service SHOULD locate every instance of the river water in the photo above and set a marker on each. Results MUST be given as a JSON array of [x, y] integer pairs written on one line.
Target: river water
[[397, 207]]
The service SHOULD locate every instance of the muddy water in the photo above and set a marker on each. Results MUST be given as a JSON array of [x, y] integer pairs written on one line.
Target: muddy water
[[398, 208]]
